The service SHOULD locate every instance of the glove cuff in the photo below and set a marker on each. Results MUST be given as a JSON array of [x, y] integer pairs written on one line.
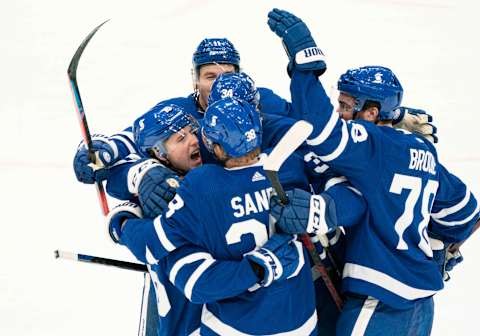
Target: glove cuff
[[127, 210], [271, 264], [309, 55], [316, 219], [137, 172]]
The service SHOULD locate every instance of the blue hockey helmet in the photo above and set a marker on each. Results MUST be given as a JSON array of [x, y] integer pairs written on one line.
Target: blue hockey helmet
[[373, 83], [215, 50], [155, 127], [234, 125], [236, 85]]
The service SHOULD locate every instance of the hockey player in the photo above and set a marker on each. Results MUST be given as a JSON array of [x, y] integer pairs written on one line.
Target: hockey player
[[230, 220], [111, 151], [213, 56], [390, 275], [166, 135]]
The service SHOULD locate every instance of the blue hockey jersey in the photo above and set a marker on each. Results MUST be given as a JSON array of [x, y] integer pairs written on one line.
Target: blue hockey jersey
[[176, 315], [407, 191], [225, 212]]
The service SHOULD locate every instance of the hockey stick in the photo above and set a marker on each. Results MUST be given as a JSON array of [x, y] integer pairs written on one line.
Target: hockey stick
[[294, 137], [102, 261], [72, 76]]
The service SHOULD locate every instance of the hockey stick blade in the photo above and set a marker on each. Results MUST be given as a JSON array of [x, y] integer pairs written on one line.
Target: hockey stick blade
[[100, 260], [294, 137], [82, 119], [72, 68]]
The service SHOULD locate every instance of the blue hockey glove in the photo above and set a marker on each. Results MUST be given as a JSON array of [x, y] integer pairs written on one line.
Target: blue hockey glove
[[453, 259], [415, 121], [118, 215], [154, 184], [304, 213], [444, 257], [280, 258], [106, 154], [298, 42]]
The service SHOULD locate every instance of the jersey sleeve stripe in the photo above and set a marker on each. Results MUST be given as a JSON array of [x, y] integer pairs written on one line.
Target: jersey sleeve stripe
[[460, 222], [335, 180], [125, 141], [151, 260], [127, 134], [334, 239], [162, 237], [384, 281], [221, 328], [327, 130], [195, 276], [368, 308], [341, 146], [301, 259], [163, 305], [448, 211], [186, 260]]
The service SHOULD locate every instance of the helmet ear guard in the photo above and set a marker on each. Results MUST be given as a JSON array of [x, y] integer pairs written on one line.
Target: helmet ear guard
[[375, 84]]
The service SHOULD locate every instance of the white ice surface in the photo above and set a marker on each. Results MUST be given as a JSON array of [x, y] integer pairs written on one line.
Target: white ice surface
[[143, 56]]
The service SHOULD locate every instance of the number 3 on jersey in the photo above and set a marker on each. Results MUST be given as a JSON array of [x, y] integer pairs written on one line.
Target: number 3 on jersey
[[416, 192]]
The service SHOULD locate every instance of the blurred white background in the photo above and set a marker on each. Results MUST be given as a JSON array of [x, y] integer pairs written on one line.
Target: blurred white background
[[143, 55]]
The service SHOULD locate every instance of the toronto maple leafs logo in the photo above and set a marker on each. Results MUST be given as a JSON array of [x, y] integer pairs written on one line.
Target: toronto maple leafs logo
[[378, 78]]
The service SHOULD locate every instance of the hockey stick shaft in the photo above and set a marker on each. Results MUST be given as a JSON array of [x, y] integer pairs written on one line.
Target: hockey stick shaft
[[100, 260], [294, 137], [72, 76], [305, 238]]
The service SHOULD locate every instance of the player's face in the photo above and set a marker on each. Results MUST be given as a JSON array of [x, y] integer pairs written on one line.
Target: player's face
[[346, 104], [183, 150], [207, 74]]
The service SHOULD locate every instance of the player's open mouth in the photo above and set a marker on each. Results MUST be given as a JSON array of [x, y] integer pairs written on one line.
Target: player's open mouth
[[195, 155]]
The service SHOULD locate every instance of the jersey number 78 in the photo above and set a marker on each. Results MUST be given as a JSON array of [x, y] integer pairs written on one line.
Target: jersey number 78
[[416, 192]]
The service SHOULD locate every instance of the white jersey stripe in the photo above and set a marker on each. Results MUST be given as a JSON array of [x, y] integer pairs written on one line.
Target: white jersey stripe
[[301, 259], [166, 243], [221, 328], [195, 276], [335, 180], [460, 222], [191, 258], [364, 317], [325, 132], [448, 211], [384, 281], [127, 143], [127, 134], [341, 146]]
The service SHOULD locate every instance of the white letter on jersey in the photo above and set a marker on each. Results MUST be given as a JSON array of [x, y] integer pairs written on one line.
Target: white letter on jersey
[[237, 206], [358, 133]]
